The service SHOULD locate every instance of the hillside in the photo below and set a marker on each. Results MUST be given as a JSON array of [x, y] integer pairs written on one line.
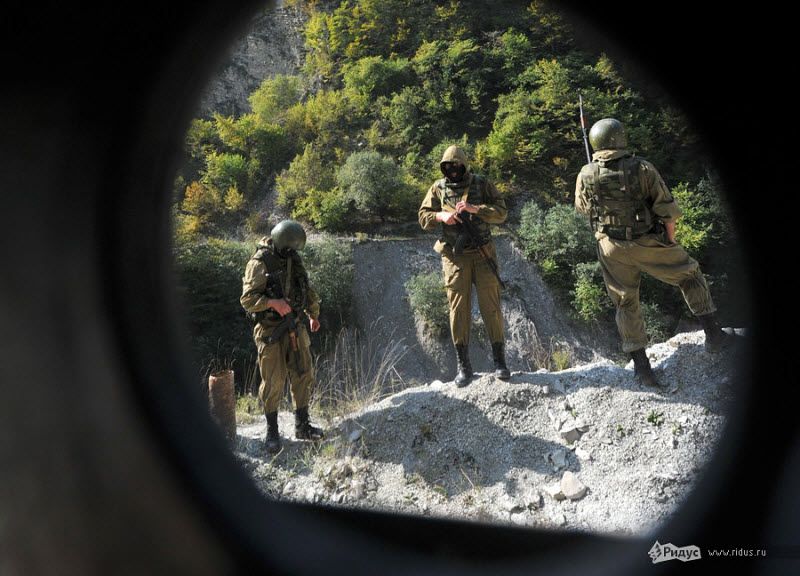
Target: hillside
[[530, 310], [584, 448]]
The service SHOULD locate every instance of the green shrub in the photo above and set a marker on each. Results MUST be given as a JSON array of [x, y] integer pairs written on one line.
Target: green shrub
[[224, 171], [327, 210], [656, 322], [560, 234], [374, 76], [590, 299], [428, 299], [309, 171], [374, 184], [209, 278], [270, 101], [329, 264]]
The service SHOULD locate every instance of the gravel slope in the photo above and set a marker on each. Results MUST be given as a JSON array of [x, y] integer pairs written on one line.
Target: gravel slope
[[584, 448]]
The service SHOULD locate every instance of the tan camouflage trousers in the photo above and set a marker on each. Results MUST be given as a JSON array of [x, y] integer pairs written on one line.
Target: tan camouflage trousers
[[277, 361], [623, 262], [461, 273]]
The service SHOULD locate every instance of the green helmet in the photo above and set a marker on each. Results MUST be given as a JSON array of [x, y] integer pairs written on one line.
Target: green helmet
[[608, 134], [288, 235]]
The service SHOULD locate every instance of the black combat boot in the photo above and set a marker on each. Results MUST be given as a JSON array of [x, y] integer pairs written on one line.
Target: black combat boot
[[464, 375], [641, 368], [716, 338], [303, 430], [499, 357], [273, 438]]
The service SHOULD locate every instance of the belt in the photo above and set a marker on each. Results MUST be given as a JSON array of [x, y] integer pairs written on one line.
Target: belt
[[622, 232]]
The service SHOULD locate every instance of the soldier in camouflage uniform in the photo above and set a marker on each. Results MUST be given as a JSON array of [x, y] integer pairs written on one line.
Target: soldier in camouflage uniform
[[461, 195], [275, 291], [633, 215]]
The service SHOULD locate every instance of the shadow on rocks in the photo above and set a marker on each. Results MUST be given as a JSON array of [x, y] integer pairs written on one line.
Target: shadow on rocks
[[451, 443]]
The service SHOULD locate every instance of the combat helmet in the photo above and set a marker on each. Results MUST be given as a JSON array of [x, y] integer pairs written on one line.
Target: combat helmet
[[288, 235], [608, 134]]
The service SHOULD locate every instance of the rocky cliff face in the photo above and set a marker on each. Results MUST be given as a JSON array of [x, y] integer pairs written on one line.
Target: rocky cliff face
[[273, 44]]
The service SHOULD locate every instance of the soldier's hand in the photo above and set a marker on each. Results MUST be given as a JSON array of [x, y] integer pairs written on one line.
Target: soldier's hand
[[280, 306], [314, 324], [449, 218], [464, 206]]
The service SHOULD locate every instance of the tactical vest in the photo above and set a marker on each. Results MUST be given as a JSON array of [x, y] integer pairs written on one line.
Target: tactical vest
[[475, 195], [620, 203], [294, 285]]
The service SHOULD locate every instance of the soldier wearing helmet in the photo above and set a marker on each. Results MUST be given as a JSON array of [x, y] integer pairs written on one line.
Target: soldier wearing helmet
[[275, 290], [633, 215]]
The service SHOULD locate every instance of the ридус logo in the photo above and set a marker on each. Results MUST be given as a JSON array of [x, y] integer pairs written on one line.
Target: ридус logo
[[663, 552]]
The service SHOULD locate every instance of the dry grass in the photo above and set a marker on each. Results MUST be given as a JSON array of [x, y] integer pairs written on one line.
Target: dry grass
[[554, 357], [359, 371]]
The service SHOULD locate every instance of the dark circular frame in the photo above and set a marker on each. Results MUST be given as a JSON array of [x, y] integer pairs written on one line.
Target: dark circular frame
[[110, 213]]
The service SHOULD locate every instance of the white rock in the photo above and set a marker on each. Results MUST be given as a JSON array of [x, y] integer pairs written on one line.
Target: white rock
[[571, 487], [534, 501], [584, 455], [518, 518], [542, 371], [555, 492], [354, 435], [288, 488]]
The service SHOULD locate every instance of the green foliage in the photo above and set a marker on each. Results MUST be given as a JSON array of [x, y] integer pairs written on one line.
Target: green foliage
[[206, 209], [513, 51], [428, 300], [590, 300], [210, 282], [656, 322], [274, 97], [327, 209], [330, 269], [224, 171], [373, 76], [308, 171], [558, 234], [655, 418], [327, 119], [704, 221], [201, 139], [375, 186]]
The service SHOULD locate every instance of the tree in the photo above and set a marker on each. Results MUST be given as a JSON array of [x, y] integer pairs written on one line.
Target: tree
[[274, 97], [372, 183]]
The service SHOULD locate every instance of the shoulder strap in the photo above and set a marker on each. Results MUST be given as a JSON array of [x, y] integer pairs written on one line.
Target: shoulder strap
[[268, 258]]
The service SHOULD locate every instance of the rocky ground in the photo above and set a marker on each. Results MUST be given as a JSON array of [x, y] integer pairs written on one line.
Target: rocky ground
[[583, 448]]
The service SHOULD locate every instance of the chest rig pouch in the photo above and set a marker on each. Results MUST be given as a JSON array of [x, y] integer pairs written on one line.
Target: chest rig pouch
[[459, 237], [282, 283], [620, 204]]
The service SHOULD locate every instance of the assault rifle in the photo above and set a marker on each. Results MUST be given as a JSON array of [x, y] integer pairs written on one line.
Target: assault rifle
[[288, 324], [470, 235]]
